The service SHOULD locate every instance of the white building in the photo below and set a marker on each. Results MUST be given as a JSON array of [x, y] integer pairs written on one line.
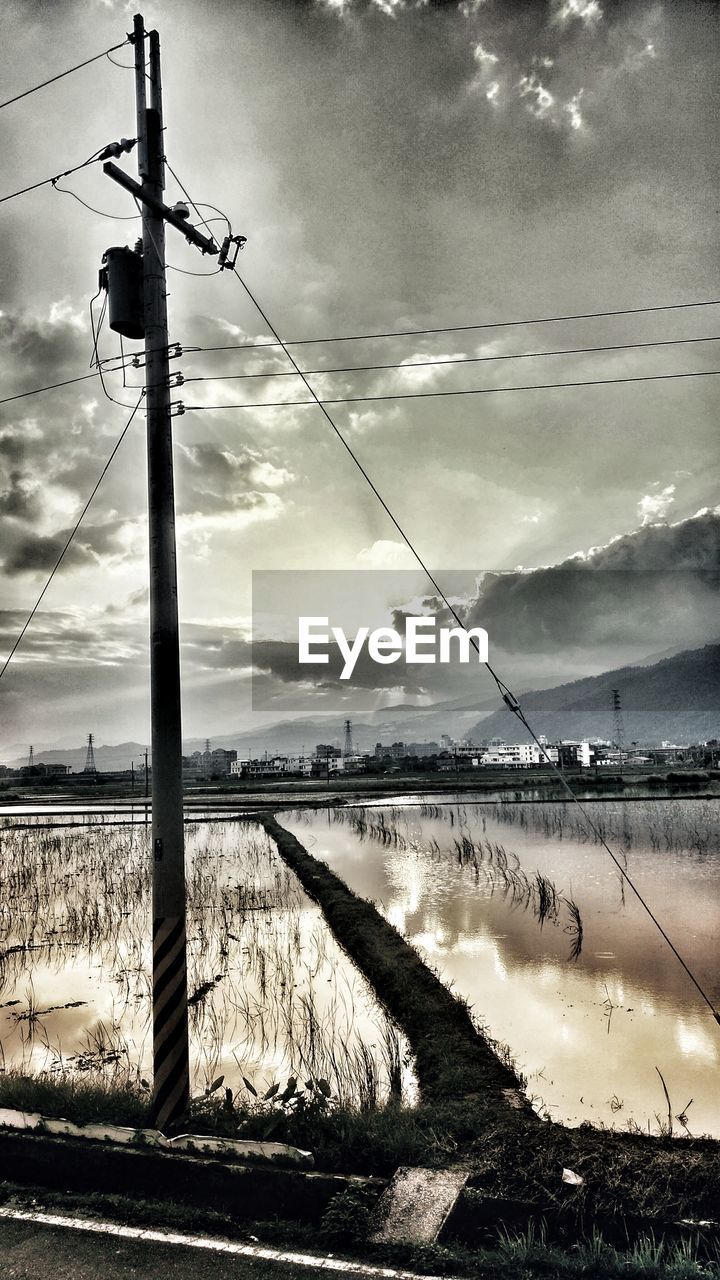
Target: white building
[[518, 755], [271, 767]]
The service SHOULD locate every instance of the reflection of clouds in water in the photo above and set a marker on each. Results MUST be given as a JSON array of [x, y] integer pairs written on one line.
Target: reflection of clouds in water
[[410, 874], [279, 994], [693, 1042], [57, 1030], [396, 916], [516, 978]]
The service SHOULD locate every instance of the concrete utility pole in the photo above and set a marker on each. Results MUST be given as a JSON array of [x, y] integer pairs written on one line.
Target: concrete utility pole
[[171, 1088], [171, 1084]]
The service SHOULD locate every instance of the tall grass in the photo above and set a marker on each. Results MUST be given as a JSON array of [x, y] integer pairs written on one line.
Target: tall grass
[[489, 863], [672, 826], [271, 993]]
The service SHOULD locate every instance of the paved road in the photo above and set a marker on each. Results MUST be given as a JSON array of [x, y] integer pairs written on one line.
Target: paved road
[[29, 1251]]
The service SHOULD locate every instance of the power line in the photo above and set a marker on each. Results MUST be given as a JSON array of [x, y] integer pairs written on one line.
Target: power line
[[53, 386], [105, 53], [183, 272], [191, 201], [478, 391], [117, 217], [452, 360], [465, 328], [122, 65], [127, 362], [95, 360], [506, 694], [45, 182], [61, 557], [93, 159]]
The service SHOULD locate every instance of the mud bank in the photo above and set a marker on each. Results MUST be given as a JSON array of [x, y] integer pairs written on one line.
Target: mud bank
[[452, 1058]]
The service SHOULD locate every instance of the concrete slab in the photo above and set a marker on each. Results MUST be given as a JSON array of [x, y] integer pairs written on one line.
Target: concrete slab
[[417, 1203]]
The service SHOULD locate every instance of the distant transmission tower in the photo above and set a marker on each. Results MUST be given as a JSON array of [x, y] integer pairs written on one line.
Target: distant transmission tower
[[31, 758], [90, 766], [618, 717], [348, 749]]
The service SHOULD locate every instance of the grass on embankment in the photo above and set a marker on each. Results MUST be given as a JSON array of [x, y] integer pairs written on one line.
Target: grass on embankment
[[626, 1175], [452, 1058], [346, 1226]]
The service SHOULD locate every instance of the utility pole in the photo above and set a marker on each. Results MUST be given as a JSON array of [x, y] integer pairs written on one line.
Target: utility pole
[[171, 1083], [171, 1087]]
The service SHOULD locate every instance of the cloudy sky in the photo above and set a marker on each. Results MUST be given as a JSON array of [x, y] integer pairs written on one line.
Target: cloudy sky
[[395, 166]]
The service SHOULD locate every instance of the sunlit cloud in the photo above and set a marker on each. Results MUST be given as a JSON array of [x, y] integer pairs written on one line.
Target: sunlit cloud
[[639, 58], [484, 57], [386, 554], [540, 98], [573, 110], [586, 11], [655, 506]]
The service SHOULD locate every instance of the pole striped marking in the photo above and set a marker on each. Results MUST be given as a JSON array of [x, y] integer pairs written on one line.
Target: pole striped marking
[[171, 1085]]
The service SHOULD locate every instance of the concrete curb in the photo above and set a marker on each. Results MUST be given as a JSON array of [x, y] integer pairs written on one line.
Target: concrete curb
[[193, 1143], [65, 1163]]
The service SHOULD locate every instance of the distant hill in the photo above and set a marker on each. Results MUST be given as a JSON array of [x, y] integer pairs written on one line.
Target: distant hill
[[107, 758], [405, 723], [401, 723], [677, 699]]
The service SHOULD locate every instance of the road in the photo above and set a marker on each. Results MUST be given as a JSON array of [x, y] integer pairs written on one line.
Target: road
[[35, 1251]]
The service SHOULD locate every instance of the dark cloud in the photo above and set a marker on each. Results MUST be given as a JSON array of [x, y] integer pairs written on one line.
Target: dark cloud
[[136, 600], [213, 480], [20, 498], [658, 586], [31, 552], [12, 445], [40, 351]]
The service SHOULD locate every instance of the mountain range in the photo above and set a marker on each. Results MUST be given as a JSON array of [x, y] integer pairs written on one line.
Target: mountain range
[[675, 699]]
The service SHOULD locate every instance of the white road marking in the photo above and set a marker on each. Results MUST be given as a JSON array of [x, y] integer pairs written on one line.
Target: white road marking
[[207, 1242]]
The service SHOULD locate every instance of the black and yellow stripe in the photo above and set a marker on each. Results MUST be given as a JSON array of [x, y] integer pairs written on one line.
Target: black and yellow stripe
[[171, 1092]]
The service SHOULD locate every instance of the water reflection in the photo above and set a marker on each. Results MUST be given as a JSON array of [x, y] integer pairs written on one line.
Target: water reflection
[[589, 1033], [271, 993]]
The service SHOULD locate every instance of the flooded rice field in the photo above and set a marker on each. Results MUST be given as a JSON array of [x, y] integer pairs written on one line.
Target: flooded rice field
[[271, 993], [526, 917]]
